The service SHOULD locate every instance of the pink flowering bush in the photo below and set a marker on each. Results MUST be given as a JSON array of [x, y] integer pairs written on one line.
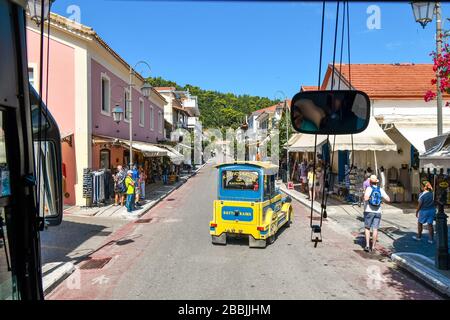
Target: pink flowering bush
[[441, 65]]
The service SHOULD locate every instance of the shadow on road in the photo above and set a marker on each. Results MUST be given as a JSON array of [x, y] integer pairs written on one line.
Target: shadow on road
[[397, 279], [75, 242]]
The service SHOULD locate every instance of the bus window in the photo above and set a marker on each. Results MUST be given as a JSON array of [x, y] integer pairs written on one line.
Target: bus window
[[7, 283]]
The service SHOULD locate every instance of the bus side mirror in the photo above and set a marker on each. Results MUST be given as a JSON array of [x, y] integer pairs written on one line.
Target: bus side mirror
[[330, 112]]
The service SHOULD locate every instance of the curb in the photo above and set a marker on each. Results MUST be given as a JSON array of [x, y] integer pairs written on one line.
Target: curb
[[424, 270], [316, 206], [57, 276]]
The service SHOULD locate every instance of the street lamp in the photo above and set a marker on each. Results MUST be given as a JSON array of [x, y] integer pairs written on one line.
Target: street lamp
[[146, 89], [117, 113], [423, 12], [36, 10]]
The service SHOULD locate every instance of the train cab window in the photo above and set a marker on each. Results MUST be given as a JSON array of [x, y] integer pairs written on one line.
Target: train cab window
[[240, 180]]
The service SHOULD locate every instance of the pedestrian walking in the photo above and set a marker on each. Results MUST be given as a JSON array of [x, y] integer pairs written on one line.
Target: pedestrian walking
[[426, 212], [119, 186], [137, 185], [303, 175], [143, 179], [373, 197], [130, 190], [366, 182], [312, 180], [165, 173], [319, 182]]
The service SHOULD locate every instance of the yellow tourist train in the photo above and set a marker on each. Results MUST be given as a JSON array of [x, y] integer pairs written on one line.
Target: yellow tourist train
[[249, 204]]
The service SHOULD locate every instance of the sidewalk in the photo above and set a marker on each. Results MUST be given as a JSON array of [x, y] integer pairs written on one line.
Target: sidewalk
[[395, 239], [154, 194], [81, 234]]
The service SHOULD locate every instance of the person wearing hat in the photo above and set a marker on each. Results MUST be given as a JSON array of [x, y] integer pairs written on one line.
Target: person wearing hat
[[426, 211], [130, 188], [373, 198]]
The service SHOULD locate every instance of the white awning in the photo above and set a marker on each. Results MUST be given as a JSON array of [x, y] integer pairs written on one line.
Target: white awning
[[148, 149], [417, 134], [371, 139], [305, 142], [176, 157], [438, 153]]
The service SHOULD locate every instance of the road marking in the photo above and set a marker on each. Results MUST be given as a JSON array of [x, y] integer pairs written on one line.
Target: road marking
[[100, 280]]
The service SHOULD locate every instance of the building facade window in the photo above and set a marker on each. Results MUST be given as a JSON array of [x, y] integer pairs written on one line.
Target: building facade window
[[31, 74], [160, 122], [105, 159], [152, 118], [141, 113], [105, 94]]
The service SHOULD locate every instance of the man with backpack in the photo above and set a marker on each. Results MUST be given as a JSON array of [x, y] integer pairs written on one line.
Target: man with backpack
[[373, 198]]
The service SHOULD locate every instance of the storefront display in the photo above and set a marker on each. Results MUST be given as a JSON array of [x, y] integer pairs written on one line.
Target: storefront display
[[355, 185], [98, 186], [405, 181]]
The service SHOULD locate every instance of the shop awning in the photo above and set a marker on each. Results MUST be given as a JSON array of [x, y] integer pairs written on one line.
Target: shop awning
[[148, 149], [176, 157], [417, 134], [438, 153], [371, 139], [305, 142]]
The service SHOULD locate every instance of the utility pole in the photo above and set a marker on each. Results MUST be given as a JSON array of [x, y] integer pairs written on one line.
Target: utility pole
[[439, 52], [442, 255], [130, 110], [287, 139]]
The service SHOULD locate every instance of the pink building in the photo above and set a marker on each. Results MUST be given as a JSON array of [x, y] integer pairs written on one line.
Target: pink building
[[87, 79]]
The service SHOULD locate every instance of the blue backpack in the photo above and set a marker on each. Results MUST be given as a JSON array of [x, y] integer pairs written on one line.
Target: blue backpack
[[375, 197]]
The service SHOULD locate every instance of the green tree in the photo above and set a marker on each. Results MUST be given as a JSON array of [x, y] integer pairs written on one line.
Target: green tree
[[217, 109], [284, 123]]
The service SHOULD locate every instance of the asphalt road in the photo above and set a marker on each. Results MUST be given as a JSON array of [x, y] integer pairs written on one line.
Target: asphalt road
[[169, 255]]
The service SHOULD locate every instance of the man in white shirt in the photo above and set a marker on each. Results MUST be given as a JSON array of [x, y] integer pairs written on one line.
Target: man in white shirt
[[372, 210]]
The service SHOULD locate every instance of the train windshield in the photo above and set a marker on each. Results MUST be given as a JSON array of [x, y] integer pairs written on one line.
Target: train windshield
[[240, 180]]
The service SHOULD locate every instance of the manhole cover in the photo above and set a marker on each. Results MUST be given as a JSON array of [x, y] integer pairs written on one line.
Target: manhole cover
[[143, 220], [388, 229], [95, 263]]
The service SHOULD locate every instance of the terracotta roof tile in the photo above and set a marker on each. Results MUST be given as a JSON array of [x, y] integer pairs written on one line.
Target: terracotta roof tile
[[308, 88], [271, 108], [405, 81], [165, 88]]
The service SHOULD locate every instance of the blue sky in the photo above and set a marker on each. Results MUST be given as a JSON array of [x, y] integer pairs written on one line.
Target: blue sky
[[257, 48]]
